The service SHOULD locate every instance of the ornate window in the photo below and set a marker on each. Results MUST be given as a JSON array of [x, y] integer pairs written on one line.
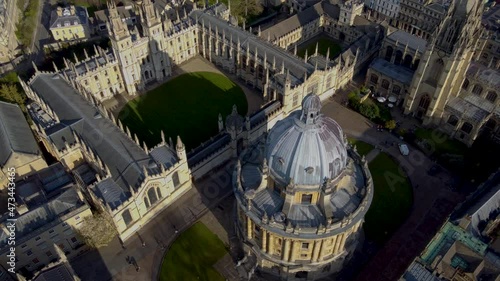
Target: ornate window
[[388, 53], [467, 127], [152, 196], [477, 90], [425, 100], [399, 57], [146, 202], [491, 96], [374, 79], [396, 90], [465, 85], [407, 61], [127, 218], [175, 179], [158, 191], [306, 199], [453, 120], [385, 84]]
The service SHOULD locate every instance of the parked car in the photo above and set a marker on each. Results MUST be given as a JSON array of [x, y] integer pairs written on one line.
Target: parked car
[[403, 148]]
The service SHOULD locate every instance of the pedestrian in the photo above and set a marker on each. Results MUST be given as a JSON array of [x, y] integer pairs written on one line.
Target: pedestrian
[[138, 268], [143, 244]]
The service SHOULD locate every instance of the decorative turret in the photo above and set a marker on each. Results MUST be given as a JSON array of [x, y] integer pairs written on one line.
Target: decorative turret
[[180, 149]]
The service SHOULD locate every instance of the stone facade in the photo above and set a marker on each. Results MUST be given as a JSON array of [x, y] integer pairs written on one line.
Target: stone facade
[[299, 216]]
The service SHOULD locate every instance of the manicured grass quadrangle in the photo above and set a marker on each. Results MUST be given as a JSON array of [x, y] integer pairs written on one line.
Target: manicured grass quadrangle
[[192, 256], [392, 199], [323, 44], [187, 105], [362, 147]]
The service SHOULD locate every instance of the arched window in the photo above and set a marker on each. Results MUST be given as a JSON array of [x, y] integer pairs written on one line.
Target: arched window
[[388, 53], [435, 71], [466, 127], [425, 100], [477, 90], [453, 120], [374, 79], [396, 89], [127, 218], [175, 179], [152, 196], [399, 57], [146, 202], [385, 84], [491, 96], [158, 191], [465, 85], [407, 61]]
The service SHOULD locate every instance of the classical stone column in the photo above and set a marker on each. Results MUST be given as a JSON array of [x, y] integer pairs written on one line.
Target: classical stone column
[[270, 245], [316, 250], [342, 243], [286, 252], [294, 247], [338, 242], [249, 228], [264, 240]]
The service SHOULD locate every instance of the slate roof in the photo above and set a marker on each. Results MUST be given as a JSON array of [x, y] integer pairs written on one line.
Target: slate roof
[[102, 16], [48, 212], [465, 109], [403, 38], [81, 17], [59, 273], [306, 16], [294, 64], [396, 72], [489, 76], [125, 159], [15, 133]]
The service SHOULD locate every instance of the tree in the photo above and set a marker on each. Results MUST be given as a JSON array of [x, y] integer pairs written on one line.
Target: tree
[[97, 231], [10, 93], [245, 9], [390, 125]]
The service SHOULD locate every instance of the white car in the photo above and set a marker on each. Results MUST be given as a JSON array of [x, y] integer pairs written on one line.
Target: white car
[[403, 148]]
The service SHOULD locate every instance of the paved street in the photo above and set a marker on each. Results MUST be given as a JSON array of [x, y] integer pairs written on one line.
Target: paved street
[[111, 262], [432, 200]]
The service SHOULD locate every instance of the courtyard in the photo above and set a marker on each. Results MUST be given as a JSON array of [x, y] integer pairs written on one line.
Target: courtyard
[[323, 43], [187, 105], [193, 255]]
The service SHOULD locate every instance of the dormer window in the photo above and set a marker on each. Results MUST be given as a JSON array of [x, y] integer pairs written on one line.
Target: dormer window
[[66, 23]]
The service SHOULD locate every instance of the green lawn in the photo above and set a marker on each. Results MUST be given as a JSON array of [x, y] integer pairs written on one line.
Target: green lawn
[[392, 199], [188, 106], [192, 256], [362, 147], [323, 44], [448, 146]]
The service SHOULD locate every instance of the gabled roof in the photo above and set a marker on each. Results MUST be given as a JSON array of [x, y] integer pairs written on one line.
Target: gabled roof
[[308, 15], [124, 158], [294, 64], [46, 213], [80, 16], [15, 133]]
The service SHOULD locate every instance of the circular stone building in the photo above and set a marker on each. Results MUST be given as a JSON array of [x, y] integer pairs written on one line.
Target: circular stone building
[[302, 194]]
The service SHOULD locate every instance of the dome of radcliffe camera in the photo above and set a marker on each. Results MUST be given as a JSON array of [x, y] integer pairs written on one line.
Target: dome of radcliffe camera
[[307, 146]]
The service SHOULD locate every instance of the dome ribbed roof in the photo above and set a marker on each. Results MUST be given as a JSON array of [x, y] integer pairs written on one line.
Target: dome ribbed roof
[[306, 146]]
